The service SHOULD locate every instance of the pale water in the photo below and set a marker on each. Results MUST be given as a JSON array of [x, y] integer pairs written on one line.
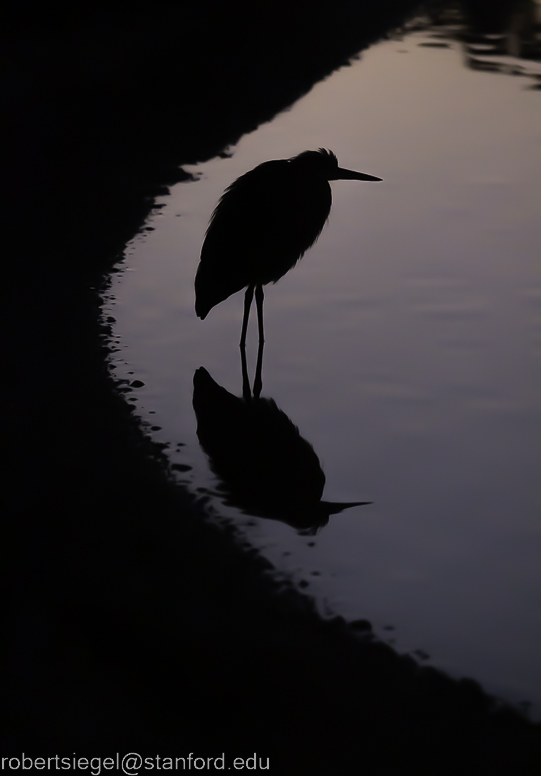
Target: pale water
[[403, 346]]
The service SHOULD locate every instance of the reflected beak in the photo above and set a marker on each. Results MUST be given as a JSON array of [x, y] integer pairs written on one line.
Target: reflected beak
[[335, 507], [351, 175]]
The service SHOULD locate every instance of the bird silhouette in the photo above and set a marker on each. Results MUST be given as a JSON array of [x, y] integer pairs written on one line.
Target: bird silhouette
[[264, 465], [263, 224]]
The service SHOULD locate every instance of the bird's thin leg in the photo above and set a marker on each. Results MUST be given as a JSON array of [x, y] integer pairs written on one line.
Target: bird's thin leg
[[248, 296], [258, 381], [259, 296]]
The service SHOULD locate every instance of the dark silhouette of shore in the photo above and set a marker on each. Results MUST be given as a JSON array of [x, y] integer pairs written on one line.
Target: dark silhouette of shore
[[129, 622]]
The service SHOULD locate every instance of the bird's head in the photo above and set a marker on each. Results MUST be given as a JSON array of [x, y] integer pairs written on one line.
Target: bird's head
[[324, 164]]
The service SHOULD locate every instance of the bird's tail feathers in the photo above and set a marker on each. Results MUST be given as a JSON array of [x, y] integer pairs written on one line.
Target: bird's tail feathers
[[200, 310]]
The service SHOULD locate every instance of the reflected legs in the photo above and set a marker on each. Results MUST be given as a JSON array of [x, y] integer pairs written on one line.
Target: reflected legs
[[258, 382], [246, 391]]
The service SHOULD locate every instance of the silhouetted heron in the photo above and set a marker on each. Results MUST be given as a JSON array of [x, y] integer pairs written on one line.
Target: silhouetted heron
[[263, 224]]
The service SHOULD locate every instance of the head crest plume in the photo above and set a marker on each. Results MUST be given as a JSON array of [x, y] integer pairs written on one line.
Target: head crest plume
[[328, 154], [322, 153]]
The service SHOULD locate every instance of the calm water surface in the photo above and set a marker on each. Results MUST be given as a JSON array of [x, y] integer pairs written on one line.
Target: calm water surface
[[403, 346]]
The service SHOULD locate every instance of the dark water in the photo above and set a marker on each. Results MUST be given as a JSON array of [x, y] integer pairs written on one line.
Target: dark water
[[403, 347]]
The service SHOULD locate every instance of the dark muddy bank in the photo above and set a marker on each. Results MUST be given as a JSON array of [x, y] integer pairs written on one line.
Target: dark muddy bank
[[131, 624]]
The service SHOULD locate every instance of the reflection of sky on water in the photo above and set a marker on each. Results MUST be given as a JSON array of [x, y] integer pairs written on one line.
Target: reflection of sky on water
[[403, 346]]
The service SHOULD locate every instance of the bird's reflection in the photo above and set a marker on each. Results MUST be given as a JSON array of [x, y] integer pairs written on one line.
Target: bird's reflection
[[265, 466]]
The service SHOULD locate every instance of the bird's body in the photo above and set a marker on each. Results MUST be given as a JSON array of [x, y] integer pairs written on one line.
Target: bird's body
[[263, 224]]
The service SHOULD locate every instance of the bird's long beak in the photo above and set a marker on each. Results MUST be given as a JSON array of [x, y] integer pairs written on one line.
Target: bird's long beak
[[351, 175]]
